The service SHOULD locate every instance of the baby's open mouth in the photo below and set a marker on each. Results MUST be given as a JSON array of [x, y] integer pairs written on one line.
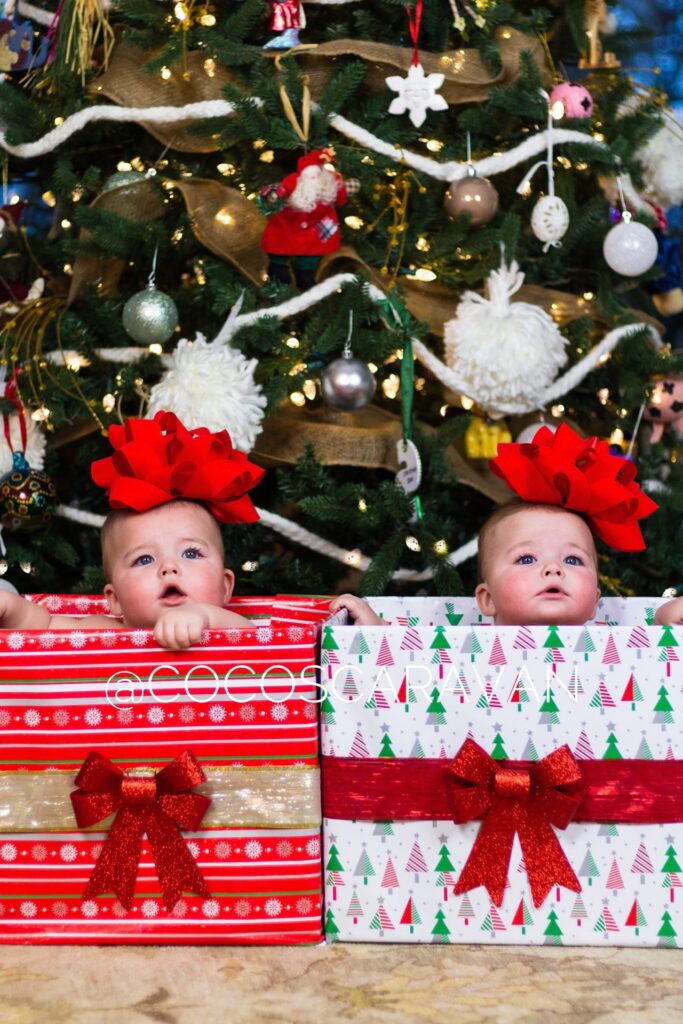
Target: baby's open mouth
[[172, 593], [550, 591]]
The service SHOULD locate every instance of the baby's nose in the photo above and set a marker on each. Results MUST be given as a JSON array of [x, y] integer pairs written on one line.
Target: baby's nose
[[552, 569], [169, 567]]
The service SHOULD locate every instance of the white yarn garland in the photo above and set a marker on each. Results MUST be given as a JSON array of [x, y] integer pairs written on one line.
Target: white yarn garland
[[303, 537], [503, 352]]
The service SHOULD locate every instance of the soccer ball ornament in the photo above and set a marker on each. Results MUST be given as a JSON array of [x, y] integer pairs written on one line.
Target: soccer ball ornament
[[473, 195], [550, 220], [150, 317], [568, 99], [347, 384], [27, 496], [629, 248]]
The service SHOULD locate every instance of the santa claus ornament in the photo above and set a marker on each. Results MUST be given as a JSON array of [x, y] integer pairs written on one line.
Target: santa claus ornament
[[302, 220]]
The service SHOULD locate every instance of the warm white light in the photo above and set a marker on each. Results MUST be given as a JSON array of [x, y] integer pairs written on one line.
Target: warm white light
[[165, 73], [466, 402], [309, 389], [441, 547], [292, 341], [362, 505], [108, 403], [557, 410], [390, 385], [297, 398], [250, 566], [413, 544], [353, 557], [155, 349], [355, 223], [224, 217]]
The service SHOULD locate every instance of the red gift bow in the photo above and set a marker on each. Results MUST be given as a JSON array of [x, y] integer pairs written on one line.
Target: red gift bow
[[158, 460], [514, 800], [581, 475], [159, 805]]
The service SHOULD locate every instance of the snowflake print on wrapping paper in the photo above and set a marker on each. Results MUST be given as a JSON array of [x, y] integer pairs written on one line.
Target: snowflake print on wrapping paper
[[125, 716], [186, 714], [211, 908], [5, 718], [8, 852], [82, 604], [77, 638], [247, 712], [39, 852], [233, 635], [252, 849], [313, 847], [243, 908], [273, 908], [68, 853], [222, 850], [310, 712], [47, 641], [139, 637], [194, 848], [118, 909], [96, 850], [89, 908], [31, 718], [27, 908], [59, 908], [304, 905], [180, 909], [417, 93], [53, 603], [60, 717], [107, 637], [296, 633], [15, 641], [155, 715], [284, 848], [149, 908], [217, 713], [2, 909], [92, 717], [279, 712], [264, 635]]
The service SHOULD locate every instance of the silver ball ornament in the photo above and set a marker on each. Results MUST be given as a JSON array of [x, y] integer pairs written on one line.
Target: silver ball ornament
[[473, 195], [120, 178], [150, 317], [550, 219], [347, 384], [630, 248]]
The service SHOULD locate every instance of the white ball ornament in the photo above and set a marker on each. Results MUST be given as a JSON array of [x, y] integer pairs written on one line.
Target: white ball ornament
[[630, 248], [550, 220], [210, 385], [150, 317]]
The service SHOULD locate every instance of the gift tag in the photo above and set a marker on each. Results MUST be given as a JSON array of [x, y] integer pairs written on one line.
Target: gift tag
[[409, 475]]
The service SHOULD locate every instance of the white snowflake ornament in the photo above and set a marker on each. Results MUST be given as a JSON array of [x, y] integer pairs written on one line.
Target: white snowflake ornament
[[417, 93]]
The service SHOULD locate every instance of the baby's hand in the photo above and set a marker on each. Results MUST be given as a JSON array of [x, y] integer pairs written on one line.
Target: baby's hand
[[178, 628], [671, 613], [361, 613]]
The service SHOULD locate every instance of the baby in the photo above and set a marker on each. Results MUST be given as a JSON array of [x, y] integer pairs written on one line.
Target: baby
[[164, 564], [538, 560]]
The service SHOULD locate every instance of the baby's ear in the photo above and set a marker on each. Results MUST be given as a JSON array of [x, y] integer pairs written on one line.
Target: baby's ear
[[112, 600], [485, 600], [229, 577]]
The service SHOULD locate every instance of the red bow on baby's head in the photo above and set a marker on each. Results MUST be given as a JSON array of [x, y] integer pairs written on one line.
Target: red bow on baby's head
[[581, 475], [158, 460]]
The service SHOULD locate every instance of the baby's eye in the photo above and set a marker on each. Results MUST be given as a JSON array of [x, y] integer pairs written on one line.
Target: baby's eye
[[525, 560], [143, 560], [573, 560], [192, 553]]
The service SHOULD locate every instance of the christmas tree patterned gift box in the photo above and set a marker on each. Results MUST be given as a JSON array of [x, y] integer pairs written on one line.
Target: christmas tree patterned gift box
[[515, 784], [157, 796]]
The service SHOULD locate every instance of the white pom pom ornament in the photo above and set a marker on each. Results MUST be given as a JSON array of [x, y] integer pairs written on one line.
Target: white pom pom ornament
[[211, 385], [662, 160], [505, 352]]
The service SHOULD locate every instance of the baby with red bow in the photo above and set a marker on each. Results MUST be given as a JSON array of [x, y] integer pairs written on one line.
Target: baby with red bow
[[162, 548], [537, 555]]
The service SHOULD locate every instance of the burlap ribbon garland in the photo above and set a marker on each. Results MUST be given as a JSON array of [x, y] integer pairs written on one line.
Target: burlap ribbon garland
[[223, 220], [467, 79]]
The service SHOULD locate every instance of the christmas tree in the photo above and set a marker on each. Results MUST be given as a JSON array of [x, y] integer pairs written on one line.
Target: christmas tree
[[144, 167]]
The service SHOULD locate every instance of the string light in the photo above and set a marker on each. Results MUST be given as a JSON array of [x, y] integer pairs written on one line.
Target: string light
[[165, 73], [292, 341], [413, 544], [441, 547], [353, 558], [390, 385], [108, 403], [603, 396], [362, 505], [298, 399], [250, 566]]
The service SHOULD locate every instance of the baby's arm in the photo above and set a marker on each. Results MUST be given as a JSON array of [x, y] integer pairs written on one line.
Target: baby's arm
[[670, 613], [18, 613], [361, 613], [178, 628]]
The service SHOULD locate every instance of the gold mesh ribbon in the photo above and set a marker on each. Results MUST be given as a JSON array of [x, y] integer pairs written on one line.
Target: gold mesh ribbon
[[366, 437], [467, 79], [128, 84], [240, 798], [223, 220]]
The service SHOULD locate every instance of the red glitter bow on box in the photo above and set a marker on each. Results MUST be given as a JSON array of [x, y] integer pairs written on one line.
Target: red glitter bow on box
[[158, 460], [156, 804], [581, 475], [525, 801]]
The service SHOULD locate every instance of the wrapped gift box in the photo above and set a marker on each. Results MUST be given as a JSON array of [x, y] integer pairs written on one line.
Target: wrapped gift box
[[402, 700], [244, 703]]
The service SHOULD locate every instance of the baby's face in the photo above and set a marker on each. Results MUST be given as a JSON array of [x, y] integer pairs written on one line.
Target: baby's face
[[162, 559], [540, 570]]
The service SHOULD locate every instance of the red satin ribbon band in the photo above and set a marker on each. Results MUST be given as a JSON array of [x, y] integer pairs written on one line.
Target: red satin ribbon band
[[383, 789], [158, 805], [527, 799]]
